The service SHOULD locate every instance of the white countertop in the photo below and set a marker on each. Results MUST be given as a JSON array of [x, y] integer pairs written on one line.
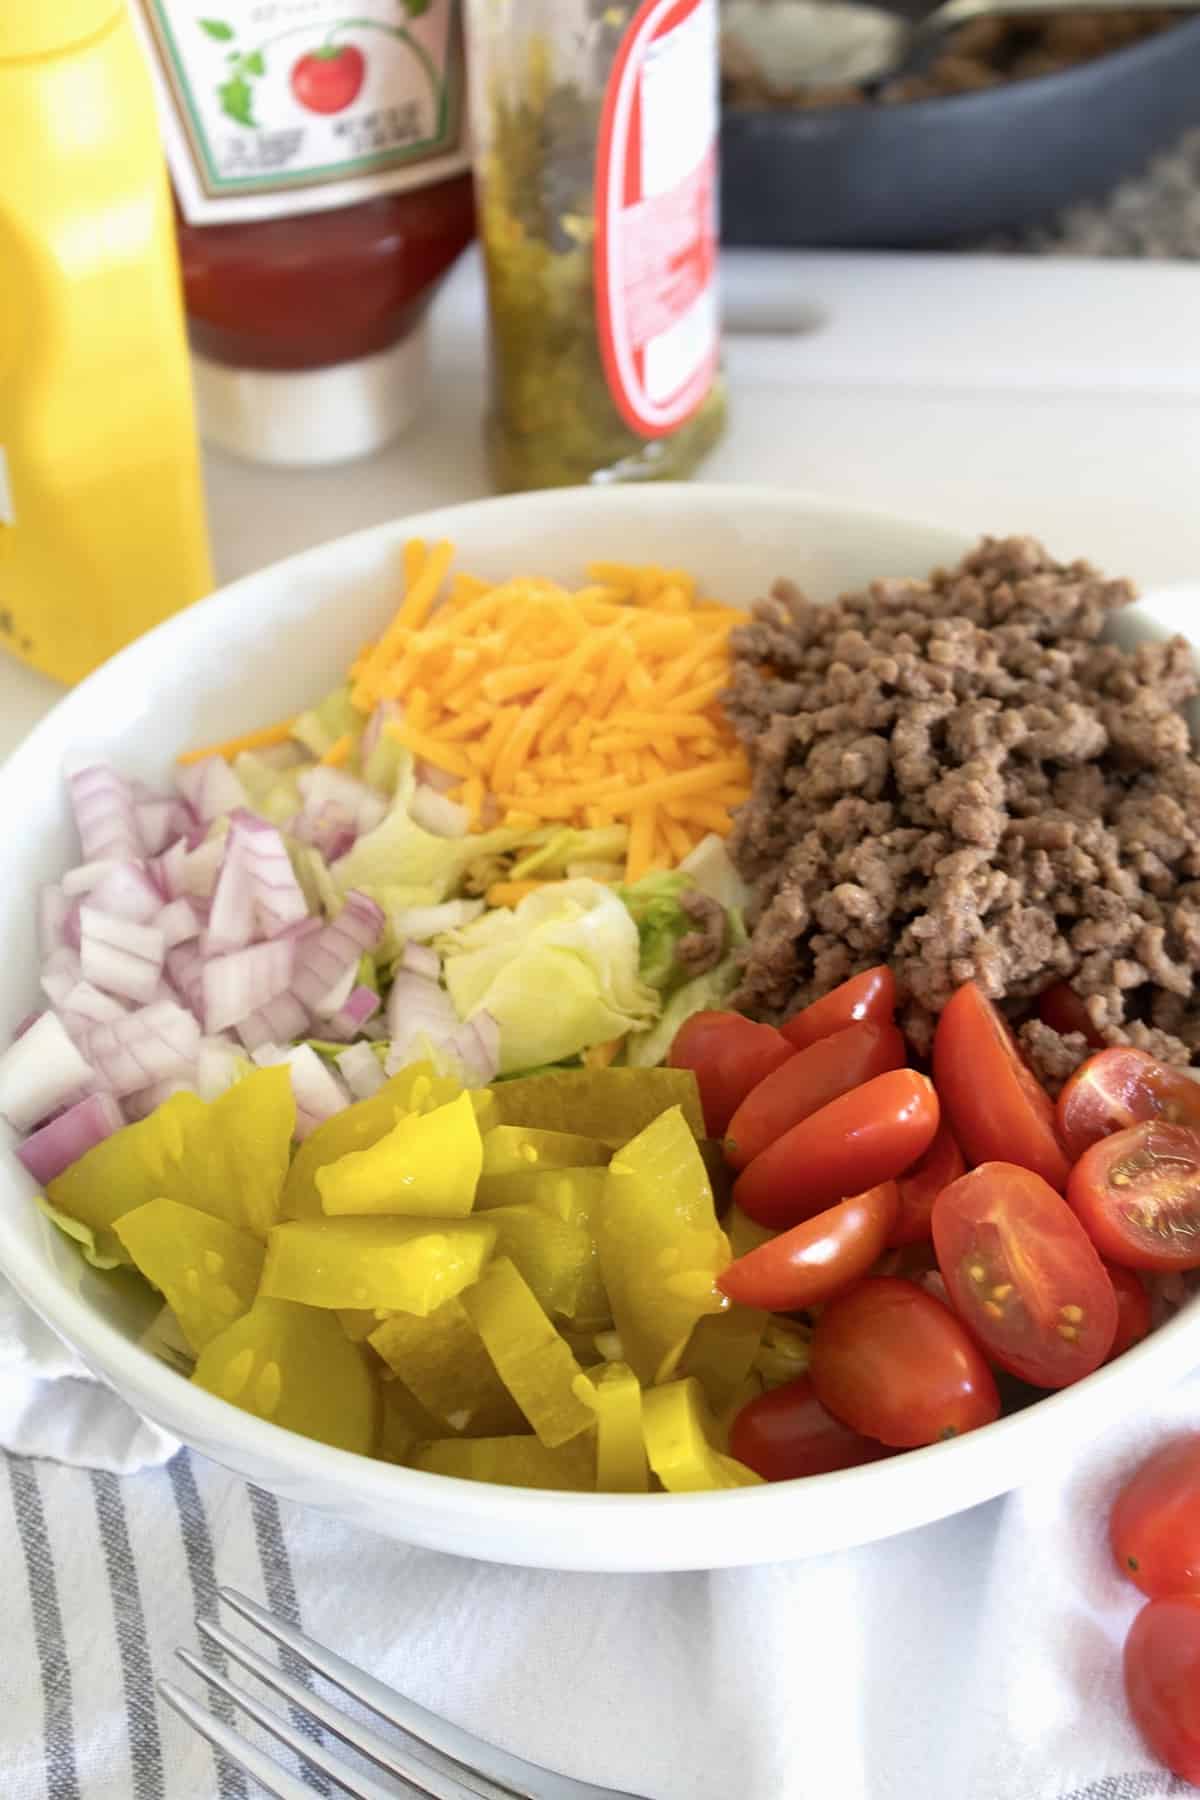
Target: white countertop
[[1056, 397]]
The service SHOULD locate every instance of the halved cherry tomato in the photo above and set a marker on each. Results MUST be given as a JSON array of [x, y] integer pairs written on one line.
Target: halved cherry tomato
[[1137, 1195], [890, 1361], [1133, 1308], [815, 1260], [1120, 1088], [996, 1106], [1061, 1008], [728, 1055], [787, 1433], [920, 1186], [808, 1081], [854, 1143], [1162, 1681], [1154, 1526], [870, 997], [1021, 1271]]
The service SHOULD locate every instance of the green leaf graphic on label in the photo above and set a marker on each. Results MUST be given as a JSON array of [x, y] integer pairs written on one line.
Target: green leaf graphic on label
[[254, 64], [216, 28], [414, 8], [237, 101]]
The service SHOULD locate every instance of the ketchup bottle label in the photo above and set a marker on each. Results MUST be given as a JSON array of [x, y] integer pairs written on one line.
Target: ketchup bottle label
[[289, 106], [656, 216]]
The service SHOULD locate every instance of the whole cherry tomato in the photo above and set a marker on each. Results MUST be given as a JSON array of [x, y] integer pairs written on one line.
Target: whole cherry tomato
[[808, 1081], [787, 1433], [891, 1362], [869, 997], [328, 79], [996, 1107], [1133, 1308], [1162, 1681], [728, 1055], [1061, 1008], [815, 1260], [920, 1186], [1021, 1271], [1120, 1088], [1137, 1195], [1154, 1526], [854, 1143]]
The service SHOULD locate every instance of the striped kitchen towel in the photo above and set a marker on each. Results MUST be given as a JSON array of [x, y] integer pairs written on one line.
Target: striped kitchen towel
[[974, 1660]]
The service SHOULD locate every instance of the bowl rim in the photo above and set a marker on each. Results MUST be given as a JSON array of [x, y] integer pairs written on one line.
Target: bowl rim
[[899, 1485]]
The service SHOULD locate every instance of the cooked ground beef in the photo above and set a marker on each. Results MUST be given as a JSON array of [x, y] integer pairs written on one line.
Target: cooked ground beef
[[701, 950], [958, 777]]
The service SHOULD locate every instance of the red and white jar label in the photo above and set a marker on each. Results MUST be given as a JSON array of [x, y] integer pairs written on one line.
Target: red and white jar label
[[656, 216]]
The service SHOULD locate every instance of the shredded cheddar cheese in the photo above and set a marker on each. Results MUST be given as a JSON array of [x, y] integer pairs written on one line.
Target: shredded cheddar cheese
[[591, 708]]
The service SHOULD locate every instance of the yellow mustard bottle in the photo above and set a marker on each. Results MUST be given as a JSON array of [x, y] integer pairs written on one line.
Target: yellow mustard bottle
[[102, 528]]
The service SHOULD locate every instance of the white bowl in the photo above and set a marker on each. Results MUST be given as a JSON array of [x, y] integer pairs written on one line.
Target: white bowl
[[276, 641]]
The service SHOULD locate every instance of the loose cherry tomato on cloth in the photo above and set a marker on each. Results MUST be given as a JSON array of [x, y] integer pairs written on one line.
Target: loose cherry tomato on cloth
[[815, 1260], [1162, 1681], [1120, 1088], [728, 1055], [1154, 1527], [868, 997], [328, 79], [808, 1081], [893, 1363], [1137, 1195], [920, 1186], [1061, 1008], [1133, 1308], [788, 1433], [1023, 1274], [996, 1106], [854, 1143]]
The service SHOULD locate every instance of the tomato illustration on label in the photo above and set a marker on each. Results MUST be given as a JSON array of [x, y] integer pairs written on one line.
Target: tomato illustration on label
[[656, 224], [329, 79]]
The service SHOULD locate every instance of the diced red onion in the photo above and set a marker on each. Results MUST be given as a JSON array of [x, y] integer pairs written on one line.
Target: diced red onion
[[179, 922], [238, 984], [53, 907], [387, 712], [361, 1070], [218, 1066], [68, 1137], [167, 871], [433, 812], [211, 788], [103, 805], [154, 1044], [231, 920], [319, 1094], [322, 962], [120, 957], [360, 1006], [441, 780], [149, 1099], [22, 1026], [60, 972], [127, 892], [417, 1005], [201, 867], [86, 876], [87, 1002], [426, 922], [477, 1043], [277, 896], [40, 1071], [185, 970], [278, 1022], [421, 959], [337, 809], [72, 927], [154, 820]]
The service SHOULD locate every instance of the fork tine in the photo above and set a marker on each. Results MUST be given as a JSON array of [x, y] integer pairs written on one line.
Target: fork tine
[[361, 1786], [469, 1754], [442, 1779], [224, 1738]]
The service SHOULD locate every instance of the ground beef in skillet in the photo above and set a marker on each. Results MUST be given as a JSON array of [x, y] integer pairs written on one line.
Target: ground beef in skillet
[[958, 777]]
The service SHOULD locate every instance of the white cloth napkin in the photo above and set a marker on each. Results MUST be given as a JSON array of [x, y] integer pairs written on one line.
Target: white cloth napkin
[[978, 1659]]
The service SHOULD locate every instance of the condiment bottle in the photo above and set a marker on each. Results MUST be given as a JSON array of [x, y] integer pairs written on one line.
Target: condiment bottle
[[323, 190], [596, 173], [101, 510]]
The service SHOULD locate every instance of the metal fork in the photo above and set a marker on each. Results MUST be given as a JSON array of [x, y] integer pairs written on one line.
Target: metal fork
[[431, 1757]]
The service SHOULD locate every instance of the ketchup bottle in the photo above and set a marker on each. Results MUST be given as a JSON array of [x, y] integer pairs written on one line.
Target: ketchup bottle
[[322, 192]]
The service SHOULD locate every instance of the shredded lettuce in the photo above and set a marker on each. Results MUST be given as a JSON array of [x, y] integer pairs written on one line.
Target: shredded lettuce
[[558, 973], [320, 728], [605, 844], [654, 905], [273, 793], [711, 868], [704, 993]]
